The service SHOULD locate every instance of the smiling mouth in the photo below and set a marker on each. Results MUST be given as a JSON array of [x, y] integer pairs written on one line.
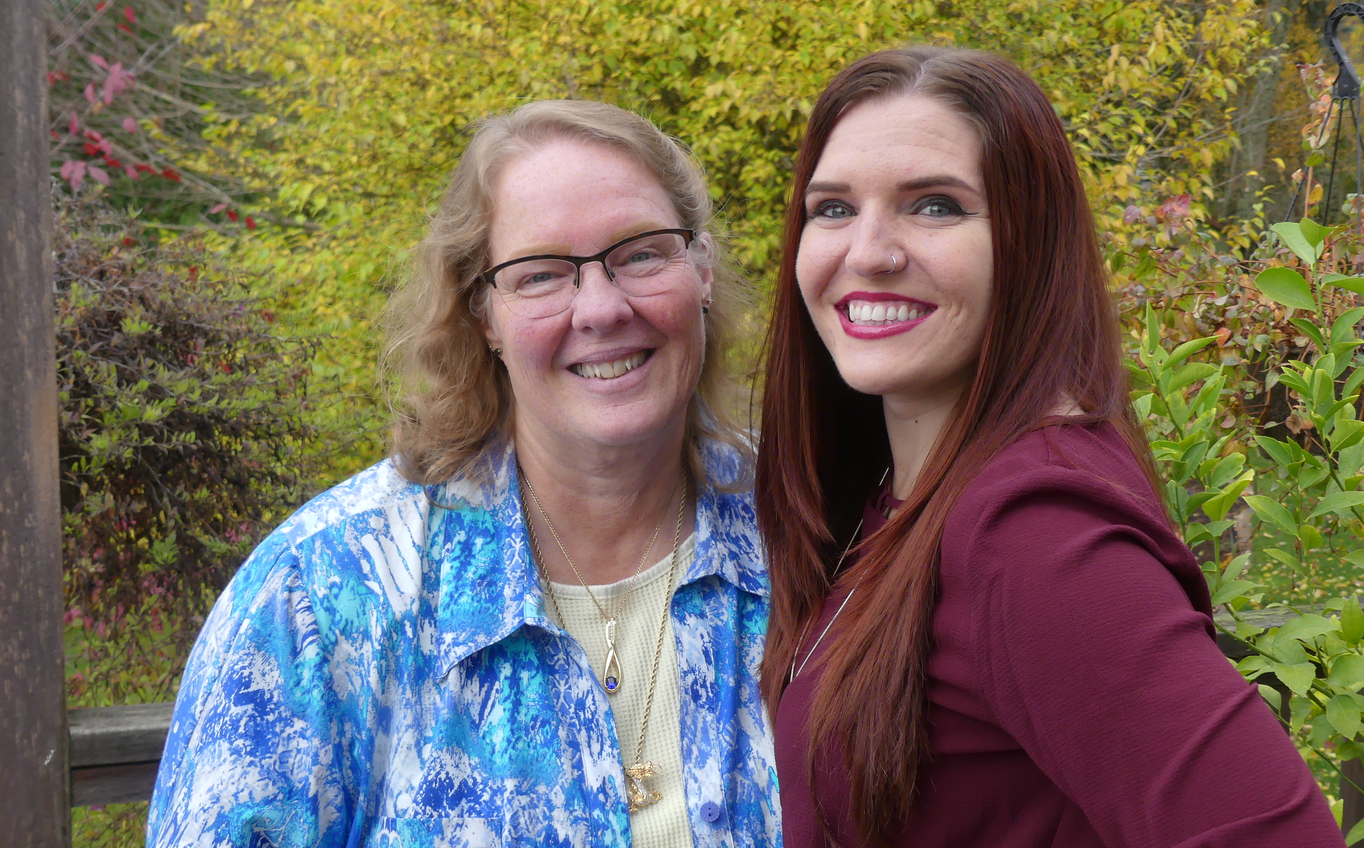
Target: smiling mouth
[[610, 370], [868, 314]]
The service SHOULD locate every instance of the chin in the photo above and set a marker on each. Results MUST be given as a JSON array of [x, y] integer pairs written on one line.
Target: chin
[[870, 381], [631, 430]]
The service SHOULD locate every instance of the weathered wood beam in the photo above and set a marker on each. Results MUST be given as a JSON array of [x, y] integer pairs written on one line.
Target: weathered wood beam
[[34, 805], [115, 752]]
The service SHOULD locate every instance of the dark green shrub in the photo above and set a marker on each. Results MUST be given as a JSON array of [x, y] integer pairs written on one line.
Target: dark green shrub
[[186, 430]]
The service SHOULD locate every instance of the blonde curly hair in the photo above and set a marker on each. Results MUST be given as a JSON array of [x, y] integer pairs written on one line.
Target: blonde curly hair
[[453, 398]]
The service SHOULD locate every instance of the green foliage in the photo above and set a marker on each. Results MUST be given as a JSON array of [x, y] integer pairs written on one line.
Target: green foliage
[[185, 427], [1306, 488], [368, 106]]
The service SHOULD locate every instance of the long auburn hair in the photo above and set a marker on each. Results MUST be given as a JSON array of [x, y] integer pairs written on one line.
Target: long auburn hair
[[1051, 334]]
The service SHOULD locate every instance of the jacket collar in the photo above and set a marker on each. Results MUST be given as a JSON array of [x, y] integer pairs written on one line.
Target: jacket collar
[[489, 587]]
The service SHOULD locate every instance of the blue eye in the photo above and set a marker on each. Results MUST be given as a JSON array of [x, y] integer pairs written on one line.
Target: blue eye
[[939, 206], [835, 210]]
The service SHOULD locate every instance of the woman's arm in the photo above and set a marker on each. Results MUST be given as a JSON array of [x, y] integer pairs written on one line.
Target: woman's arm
[[256, 754], [1098, 664]]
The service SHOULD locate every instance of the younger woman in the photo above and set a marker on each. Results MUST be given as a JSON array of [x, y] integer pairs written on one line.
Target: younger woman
[[1018, 649]]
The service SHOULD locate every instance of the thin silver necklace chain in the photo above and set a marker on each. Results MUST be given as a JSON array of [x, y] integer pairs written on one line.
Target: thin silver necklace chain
[[804, 631]]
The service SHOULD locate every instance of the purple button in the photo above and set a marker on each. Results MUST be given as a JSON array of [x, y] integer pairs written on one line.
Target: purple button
[[710, 812]]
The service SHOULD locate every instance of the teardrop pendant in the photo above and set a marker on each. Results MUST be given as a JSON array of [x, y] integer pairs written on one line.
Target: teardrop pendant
[[610, 672]]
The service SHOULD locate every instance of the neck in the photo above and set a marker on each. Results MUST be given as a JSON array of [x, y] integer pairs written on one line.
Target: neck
[[604, 506], [913, 426]]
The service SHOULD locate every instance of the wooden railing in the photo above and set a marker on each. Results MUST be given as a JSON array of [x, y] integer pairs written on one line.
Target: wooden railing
[[115, 751]]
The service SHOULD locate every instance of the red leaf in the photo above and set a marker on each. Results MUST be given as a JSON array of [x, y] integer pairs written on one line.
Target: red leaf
[[125, 28], [129, 241], [130, 171], [90, 92], [90, 148], [119, 80], [215, 210], [129, 14], [98, 175], [98, 61], [74, 173], [170, 175], [130, 125], [232, 215], [54, 135], [193, 272], [112, 162], [74, 125], [250, 222], [147, 169], [99, 7]]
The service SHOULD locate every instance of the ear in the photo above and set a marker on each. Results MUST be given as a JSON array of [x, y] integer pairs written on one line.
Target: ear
[[490, 332]]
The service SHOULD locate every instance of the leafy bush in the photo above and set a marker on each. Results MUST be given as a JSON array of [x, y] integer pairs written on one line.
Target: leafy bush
[[185, 424], [1305, 488], [127, 106]]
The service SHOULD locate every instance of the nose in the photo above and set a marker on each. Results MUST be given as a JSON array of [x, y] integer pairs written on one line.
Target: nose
[[873, 244], [599, 305]]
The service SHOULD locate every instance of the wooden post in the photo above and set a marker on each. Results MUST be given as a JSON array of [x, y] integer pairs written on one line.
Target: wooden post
[[1351, 781], [34, 802]]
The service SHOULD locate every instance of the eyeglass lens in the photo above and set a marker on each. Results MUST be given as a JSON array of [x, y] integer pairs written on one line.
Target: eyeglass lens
[[638, 267]]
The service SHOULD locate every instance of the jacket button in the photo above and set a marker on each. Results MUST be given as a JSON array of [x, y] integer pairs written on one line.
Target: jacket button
[[710, 812]]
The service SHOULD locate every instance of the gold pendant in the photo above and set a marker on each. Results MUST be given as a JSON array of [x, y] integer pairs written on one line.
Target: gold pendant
[[639, 795], [610, 672]]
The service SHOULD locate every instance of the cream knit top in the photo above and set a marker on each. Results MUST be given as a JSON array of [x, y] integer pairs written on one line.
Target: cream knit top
[[663, 824]]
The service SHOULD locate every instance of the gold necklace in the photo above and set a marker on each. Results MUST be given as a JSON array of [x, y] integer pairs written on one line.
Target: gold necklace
[[638, 795], [611, 675]]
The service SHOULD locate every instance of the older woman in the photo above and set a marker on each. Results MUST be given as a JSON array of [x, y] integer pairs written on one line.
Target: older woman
[[1017, 651], [541, 622]]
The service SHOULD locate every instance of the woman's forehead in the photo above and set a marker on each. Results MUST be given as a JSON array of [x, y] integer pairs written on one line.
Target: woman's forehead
[[571, 196], [903, 137]]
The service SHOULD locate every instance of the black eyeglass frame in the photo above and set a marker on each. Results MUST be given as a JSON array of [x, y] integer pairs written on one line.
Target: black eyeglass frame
[[490, 276]]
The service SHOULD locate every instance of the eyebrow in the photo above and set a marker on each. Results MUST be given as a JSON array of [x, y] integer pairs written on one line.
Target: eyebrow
[[938, 180]]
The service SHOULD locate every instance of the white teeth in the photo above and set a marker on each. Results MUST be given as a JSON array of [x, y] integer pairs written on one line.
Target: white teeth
[[865, 312], [609, 370]]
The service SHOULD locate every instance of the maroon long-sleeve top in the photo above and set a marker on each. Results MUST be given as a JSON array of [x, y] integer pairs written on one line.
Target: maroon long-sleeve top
[[1077, 697]]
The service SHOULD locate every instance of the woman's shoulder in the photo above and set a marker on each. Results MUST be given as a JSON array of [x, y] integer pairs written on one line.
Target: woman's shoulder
[[1087, 459], [381, 494], [368, 537], [1061, 511], [1061, 480]]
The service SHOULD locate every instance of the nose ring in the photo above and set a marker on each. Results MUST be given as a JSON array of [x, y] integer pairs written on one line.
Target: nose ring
[[894, 263]]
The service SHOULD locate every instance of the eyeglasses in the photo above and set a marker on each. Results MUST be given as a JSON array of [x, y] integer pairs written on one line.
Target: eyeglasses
[[541, 286]]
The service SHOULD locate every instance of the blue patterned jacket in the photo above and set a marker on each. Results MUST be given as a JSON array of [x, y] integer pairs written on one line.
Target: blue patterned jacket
[[382, 672]]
